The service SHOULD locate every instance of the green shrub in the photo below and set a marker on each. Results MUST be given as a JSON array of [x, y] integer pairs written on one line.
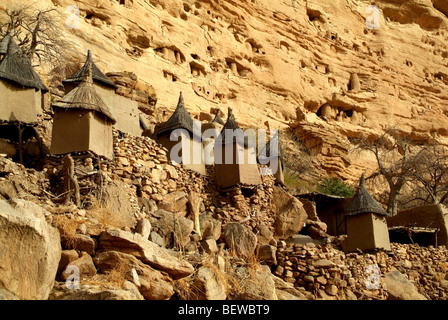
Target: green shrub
[[336, 187]]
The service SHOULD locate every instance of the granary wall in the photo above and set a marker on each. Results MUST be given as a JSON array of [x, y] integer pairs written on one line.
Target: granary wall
[[124, 110], [19, 104], [193, 159], [100, 135], [70, 131], [430, 216]]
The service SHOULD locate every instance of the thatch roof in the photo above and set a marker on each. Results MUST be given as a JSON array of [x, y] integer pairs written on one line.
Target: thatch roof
[[363, 202], [16, 67], [4, 43], [97, 75], [180, 119], [84, 96], [218, 118], [238, 134]]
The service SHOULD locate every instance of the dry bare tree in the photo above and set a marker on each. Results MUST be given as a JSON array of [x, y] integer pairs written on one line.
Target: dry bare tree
[[428, 172], [296, 156], [37, 32], [392, 151]]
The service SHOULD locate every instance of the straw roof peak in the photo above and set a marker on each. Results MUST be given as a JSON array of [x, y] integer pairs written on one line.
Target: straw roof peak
[[231, 124], [97, 75], [363, 202], [218, 118], [84, 96], [16, 67], [180, 119]]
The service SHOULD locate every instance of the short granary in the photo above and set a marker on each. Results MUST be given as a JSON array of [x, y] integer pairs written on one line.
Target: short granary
[[82, 122], [21, 88], [182, 139], [124, 110], [235, 157], [272, 156], [365, 222]]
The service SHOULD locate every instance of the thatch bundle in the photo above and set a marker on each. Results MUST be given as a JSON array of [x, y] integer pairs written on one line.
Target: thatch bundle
[[237, 135], [180, 119], [85, 97], [363, 202], [16, 67], [97, 75], [218, 118]]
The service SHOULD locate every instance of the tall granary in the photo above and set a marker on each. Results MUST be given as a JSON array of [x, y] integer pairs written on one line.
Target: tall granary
[[235, 157], [187, 145], [124, 110], [82, 121]]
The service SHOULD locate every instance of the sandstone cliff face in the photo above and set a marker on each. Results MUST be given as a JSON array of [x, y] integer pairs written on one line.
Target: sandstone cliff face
[[311, 64]]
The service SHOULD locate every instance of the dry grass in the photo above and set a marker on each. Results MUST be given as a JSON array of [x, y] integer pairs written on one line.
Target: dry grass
[[67, 225], [185, 288], [115, 278]]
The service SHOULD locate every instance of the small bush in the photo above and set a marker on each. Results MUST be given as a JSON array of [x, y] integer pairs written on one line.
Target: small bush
[[336, 187]]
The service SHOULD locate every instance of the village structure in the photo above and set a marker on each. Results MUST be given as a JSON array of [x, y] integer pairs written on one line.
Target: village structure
[[95, 132]]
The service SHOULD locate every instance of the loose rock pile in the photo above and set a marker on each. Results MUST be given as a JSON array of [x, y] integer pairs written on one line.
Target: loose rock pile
[[325, 272], [153, 208]]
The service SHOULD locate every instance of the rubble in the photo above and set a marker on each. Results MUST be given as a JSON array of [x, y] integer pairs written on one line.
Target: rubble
[[326, 272], [164, 223]]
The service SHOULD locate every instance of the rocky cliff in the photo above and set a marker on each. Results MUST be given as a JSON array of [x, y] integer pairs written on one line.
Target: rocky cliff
[[312, 65]]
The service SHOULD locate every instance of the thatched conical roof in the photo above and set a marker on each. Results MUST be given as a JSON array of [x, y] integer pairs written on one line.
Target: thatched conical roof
[[180, 119], [363, 202], [237, 135], [84, 96], [218, 118], [16, 67], [4, 43], [97, 75]]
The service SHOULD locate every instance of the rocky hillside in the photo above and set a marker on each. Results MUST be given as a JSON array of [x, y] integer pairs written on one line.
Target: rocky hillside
[[312, 65], [143, 228], [140, 227]]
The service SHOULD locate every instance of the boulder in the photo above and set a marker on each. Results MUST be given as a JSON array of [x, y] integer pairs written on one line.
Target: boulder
[[175, 202], [85, 266], [254, 283], [267, 254], [95, 292], [30, 250], [116, 200], [208, 285], [240, 240], [81, 242], [264, 234], [399, 287], [152, 284], [290, 215], [286, 290], [175, 229], [144, 250], [67, 256], [143, 228], [210, 227], [209, 246]]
